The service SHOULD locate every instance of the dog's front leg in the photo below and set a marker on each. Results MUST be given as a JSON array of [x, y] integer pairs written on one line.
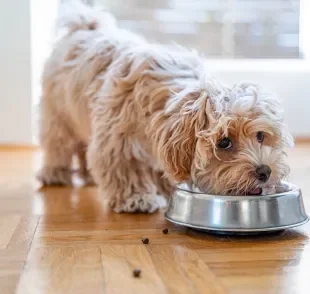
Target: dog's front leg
[[126, 182]]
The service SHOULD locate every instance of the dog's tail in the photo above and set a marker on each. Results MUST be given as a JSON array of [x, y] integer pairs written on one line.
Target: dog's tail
[[75, 16]]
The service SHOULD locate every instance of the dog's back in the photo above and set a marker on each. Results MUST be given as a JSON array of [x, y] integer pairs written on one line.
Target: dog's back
[[88, 42]]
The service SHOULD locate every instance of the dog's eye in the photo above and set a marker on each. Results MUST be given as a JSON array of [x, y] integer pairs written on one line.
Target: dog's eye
[[260, 137], [225, 143]]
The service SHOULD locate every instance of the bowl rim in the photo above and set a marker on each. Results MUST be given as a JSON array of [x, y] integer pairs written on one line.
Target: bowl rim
[[292, 188]]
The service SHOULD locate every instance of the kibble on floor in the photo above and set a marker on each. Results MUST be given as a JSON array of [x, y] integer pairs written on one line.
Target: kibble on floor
[[136, 273], [145, 240]]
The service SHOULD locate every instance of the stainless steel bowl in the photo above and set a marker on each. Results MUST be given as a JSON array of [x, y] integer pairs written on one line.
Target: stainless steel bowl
[[238, 214]]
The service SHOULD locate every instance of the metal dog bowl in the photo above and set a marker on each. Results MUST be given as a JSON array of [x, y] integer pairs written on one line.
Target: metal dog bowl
[[238, 214]]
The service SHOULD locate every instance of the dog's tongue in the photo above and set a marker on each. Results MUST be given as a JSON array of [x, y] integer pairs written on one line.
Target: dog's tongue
[[255, 191]]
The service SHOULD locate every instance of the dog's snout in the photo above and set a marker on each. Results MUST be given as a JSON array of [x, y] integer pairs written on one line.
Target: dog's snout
[[263, 173]]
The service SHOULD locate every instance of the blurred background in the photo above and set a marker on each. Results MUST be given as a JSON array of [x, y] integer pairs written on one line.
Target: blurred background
[[217, 28], [263, 40]]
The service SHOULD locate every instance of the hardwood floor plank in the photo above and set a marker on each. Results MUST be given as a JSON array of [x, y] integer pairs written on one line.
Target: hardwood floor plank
[[118, 263], [8, 225], [62, 270], [257, 268], [264, 284], [9, 275], [13, 256], [230, 255], [169, 269], [105, 221], [93, 236], [20, 241], [183, 271]]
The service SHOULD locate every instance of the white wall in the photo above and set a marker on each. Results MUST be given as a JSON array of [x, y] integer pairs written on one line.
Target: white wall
[[15, 72], [43, 16]]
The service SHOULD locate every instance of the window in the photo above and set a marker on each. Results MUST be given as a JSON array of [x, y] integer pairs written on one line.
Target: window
[[216, 28]]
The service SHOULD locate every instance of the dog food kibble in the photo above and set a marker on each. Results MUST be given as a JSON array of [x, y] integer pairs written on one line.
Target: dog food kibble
[[165, 231], [145, 240], [136, 273]]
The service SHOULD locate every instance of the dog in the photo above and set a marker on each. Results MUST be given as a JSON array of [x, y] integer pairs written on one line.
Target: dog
[[143, 117]]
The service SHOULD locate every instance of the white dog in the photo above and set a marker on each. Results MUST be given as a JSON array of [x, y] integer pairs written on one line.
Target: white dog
[[147, 117]]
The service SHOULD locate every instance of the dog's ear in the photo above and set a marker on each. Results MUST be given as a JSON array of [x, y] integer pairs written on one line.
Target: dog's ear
[[176, 132], [176, 146]]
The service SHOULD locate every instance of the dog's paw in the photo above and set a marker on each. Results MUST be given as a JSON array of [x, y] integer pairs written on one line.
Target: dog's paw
[[141, 203], [87, 178], [51, 176]]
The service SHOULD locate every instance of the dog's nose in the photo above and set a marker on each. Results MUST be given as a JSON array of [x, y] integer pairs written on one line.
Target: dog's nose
[[263, 173]]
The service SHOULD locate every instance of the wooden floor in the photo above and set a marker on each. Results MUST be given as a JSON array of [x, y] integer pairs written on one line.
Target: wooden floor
[[63, 240]]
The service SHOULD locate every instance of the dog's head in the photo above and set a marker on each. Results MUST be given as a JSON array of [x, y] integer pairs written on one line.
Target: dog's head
[[225, 141]]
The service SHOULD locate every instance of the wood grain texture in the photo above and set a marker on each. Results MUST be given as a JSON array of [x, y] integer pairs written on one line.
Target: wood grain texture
[[13, 256], [64, 240], [183, 271], [8, 224], [62, 270], [9, 275], [118, 263]]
